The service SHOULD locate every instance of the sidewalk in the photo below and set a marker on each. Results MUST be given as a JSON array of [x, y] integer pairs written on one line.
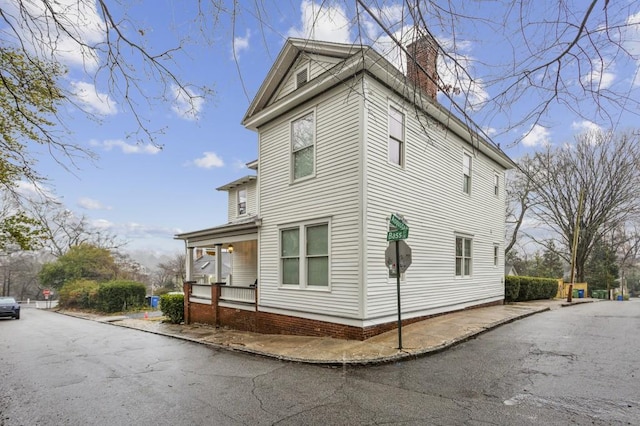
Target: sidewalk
[[418, 339]]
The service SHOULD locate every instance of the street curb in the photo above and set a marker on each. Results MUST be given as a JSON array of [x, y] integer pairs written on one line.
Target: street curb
[[340, 363]]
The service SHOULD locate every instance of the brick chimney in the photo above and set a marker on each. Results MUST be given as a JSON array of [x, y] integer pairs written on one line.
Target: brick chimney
[[424, 52]]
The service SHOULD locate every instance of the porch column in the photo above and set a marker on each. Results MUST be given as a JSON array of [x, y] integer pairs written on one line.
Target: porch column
[[218, 263], [189, 264]]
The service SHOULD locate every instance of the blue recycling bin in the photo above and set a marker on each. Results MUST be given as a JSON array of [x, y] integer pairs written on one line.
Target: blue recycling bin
[[580, 294], [155, 300]]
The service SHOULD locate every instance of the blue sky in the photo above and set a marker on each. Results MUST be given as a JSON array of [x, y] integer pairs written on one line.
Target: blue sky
[[146, 195]]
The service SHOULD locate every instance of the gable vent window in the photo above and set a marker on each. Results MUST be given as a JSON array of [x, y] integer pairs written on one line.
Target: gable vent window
[[302, 78]]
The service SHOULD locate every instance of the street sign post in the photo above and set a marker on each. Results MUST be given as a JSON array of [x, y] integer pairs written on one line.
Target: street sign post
[[399, 253]]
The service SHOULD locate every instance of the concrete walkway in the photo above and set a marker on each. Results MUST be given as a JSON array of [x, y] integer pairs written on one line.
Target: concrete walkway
[[418, 339]]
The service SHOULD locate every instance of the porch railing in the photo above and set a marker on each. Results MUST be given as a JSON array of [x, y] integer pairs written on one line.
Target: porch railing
[[238, 294]]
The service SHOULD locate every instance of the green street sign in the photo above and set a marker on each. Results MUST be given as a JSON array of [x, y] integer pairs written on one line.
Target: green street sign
[[401, 234], [398, 223]]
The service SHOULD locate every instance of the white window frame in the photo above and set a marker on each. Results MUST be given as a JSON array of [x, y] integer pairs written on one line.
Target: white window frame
[[467, 172], [293, 152], [240, 202], [392, 138], [466, 239], [496, 255], [303, 256], [496, 184]]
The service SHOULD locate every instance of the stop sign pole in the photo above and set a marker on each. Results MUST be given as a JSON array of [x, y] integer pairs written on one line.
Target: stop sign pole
[[400, 233]]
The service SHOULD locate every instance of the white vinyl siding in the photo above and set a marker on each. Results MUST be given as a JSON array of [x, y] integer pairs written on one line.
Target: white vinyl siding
[[331, 197], [427, 192], [315, 65], [244, 263]]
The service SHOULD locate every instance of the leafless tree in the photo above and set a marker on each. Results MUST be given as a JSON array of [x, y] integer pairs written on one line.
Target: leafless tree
[[552, 53], [604, 167], [171, 271], [519, 188], [65, 229]]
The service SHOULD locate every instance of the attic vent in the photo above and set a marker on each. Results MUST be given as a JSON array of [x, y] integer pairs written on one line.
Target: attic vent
[[302, 78]]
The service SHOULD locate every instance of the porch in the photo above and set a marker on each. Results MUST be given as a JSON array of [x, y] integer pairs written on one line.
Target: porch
[[221, 272]]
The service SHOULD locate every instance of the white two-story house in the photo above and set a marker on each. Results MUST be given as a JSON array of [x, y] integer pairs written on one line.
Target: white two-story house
[[345, 139]]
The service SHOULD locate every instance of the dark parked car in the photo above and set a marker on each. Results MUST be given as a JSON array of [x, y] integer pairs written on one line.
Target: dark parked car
[[9, 307]]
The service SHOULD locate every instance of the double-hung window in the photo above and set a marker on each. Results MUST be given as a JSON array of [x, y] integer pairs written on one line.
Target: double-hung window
[[304, 255], [496, 184], [463, 256], [396, 136], [496, 254], [303, 146], [242, 201], [466, 173]]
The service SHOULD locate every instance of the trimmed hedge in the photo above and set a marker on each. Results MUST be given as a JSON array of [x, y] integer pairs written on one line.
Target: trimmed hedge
[[172, 306], [116, 296], [80, 294], [511, 288], [532, 288]]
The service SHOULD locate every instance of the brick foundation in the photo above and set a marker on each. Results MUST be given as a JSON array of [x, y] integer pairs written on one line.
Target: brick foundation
[[269, 323]]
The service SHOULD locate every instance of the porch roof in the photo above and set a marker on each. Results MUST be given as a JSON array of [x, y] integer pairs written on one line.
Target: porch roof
[[237, 182], [245, 229]]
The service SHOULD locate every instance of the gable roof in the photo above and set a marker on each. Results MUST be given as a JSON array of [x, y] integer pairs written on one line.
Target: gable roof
[[354, 59]]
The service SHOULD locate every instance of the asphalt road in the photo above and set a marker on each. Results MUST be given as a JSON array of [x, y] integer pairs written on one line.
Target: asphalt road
[[575, 365]]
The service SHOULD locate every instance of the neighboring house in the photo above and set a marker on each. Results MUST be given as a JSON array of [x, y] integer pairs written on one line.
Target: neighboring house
[[345, 140], [204, 266], [509, 269]]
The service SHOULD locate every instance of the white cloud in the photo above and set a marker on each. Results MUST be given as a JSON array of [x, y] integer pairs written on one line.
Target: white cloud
[[240, 44], [536, 136], [602, 75], [91, 204], [321, 21], [631, 35], [92, 100], [585, 126], [186, 103], [40, 34], [209, 160], [239, 165], [126, 148]]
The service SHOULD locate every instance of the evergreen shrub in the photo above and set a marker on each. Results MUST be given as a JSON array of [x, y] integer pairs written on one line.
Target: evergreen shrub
[[117, 296], [80, 294], [511, 288], [172, 306]]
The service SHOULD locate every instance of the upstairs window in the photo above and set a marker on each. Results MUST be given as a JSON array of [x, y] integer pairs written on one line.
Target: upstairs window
[[242, 201], [302, 146], [396, 136], [496, 184], [466, 173], [463, 257]]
